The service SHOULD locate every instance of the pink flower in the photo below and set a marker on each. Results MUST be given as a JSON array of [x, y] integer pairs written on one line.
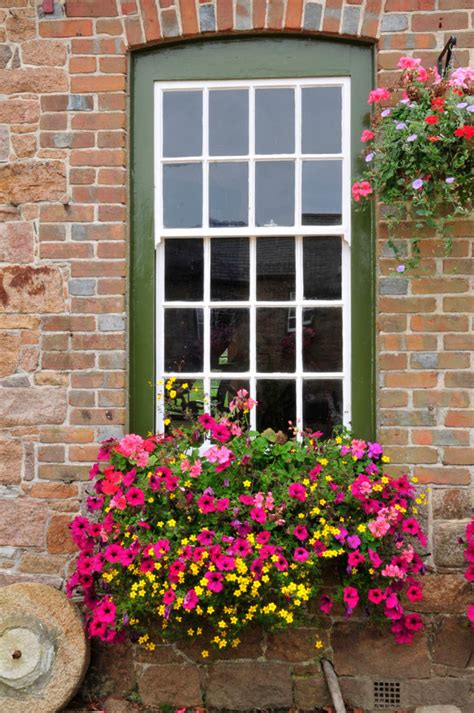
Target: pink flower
[[263, 537], [375, 560], [113, 553], [169, 596], [408, 63], [375, 596], [135, 496], [224, 563], [206, 503], [413, 622], [358, 448], [470, 614], [281, 564], [360, 189], [392, 570], [214, 581], [354, 559], [297, 491], [206, 420], [222, 504], [106, 611], [132, 447], [259, 515], [196, 469], [300, 554], [378, 95], [190, 600], [205, 537], [300, 532], [326, 604], [462, 77], [414, 592], [220, 433], [350, 597], [379, 527], [367, 135]]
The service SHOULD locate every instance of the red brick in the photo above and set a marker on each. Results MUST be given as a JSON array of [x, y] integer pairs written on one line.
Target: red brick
[[96, 46], [81, 398], [109, 27], [458, 456], [459, 341], [438, 21], [98, 416], [112, 176], [459, 304], [91, 8], [82, 65], [66, 213], [102, 120], [112, 214], [408, 5], [83, 453], [66, 28], [82, 176], [443, 476], [134, 32], [67, 361], [392, 399], [94, 342], [115, 286], [98, 305], [111, 250], [53, 491], [460, 419], [275, 12], [112, 102], [98, 83], [112, 65], [111, 140], [68, 323], [392, 361], [392, 323], [459, 380], [416, 454], [453, 399], [439, 323], [100, 157], [411, 379], [64, 251], [151, 22], [439, 285], [294, 15], [407, 304]]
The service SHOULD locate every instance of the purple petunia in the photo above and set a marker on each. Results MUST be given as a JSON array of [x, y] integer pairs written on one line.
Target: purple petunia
[[369, 157], [417, 184], [449, 179], [412, 137], [401, 125]]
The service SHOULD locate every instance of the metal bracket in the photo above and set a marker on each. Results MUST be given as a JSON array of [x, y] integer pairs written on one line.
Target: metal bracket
[[448, 51]]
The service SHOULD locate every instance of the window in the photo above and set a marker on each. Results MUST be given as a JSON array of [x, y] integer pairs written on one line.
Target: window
[[248, 265], [252, 229]]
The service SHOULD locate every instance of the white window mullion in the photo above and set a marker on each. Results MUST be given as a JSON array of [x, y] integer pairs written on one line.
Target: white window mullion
[[253, 326], [251, 213], [298, 162], [205, 159], [299, 330], [160, 337], [207, 319], [346, 333]]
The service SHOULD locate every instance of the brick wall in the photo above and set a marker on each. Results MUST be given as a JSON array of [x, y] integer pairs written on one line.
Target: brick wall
[[63, 246]]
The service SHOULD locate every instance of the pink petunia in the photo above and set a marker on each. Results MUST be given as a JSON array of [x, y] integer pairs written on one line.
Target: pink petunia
[[214, 581], [135, 496], [350, 597], [301, 533], [375, 595], [297, 491], [190, 600], [378, 95], [258, 515], [367, 135], [300, 554], [326, 604]]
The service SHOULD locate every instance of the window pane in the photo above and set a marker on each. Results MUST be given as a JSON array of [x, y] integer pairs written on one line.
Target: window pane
[[275, 341], [229, 122], [183, 339], [322, 405], [275, 268], [229, 339], [322, 120], [188, 402], [184, 268], [228, 194], [275, 193], [276, 404], [322, 193], [182, 195], [182, 123], [274, 121], [224, 390], [322, 268], [322, 339], [229, 269]]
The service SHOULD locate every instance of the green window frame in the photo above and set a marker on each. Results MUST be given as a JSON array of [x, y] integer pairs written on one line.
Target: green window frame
[[242, 58]]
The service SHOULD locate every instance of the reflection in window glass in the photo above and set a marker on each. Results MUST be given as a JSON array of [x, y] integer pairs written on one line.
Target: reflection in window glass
[[189, 401], [182, 195], [322, 268], [322, 193], [274, 121], [275, 193], [321, 120], [184, 269], [228, 194], [230, 269], [224, 390], [182, 124], [322, 339], [275, 342], [229, 122], [183, 340], [229, 339], [275, 268], [322, 405], [276, 404]]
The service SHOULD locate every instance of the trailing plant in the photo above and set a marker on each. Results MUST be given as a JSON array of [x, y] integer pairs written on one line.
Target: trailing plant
[[469, 557], [419, 152], [211, 528]]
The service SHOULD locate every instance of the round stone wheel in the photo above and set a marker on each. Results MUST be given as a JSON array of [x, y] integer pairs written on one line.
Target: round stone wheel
[[43, 651]]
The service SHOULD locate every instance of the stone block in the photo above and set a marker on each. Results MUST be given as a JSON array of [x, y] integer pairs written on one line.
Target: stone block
[[207, 18], [438, 709], [31, 289], [26, 407], [250, 647], [447, 550], [443, 593], [393, 286], [10, 462], [111, 671], [452, 504], [44, 80], [16, 242], [310, 692], [292, 645], [172, 685], [358, 692], [9, 353], [30, 182], [246, 686], [361, 649], [394, 23], [312, 16], [454, 643], [44, 52], [111, 323], [59, 536], [23, 522]]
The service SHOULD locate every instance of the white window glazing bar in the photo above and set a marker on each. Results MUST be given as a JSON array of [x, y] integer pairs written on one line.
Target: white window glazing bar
[[253, 327]]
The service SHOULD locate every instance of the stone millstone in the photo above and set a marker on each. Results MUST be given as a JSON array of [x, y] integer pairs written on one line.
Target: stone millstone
[[43, 651]]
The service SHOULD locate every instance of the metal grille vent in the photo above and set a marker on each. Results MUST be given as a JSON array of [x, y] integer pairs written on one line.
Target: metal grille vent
[[386, 694]]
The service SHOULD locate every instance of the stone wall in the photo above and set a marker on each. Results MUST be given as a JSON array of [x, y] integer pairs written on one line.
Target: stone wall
[[63, 247]]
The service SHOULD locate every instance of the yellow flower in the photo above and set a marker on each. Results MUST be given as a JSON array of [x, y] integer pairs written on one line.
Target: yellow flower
[[338, 440], [167, 421], [361, 528], [323, 461], [171, 523], [414, 479], [247, 483], [173, 394], [204, 653], [385, 459], [318, 644]]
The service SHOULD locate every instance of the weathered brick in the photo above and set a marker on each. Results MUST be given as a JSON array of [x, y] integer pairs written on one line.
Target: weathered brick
[[32, 514]]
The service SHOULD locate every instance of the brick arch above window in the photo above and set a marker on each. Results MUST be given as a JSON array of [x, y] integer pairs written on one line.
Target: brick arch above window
[[149, 21]]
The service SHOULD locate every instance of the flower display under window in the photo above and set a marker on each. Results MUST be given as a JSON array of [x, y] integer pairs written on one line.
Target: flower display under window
[[418, 152], [209, 528]]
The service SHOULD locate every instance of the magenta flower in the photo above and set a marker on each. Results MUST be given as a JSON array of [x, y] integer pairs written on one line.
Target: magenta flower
[[169, 596], [326, 604], [113, 553], [190, 600], [414, 592], [375, 596], [297, 491], [375, 560], [259, 515], [470, 614], [206, 503], [354, 559], [205, 537], [300, 532], [350, 597], [300, 554], [206, 420], [281, 564], [353, 541], [106, 611], [413, 622], [263, 537], [214, 581]]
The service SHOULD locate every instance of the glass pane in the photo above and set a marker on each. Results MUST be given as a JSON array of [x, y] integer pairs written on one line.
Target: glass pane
[[228, 194], [184, 269], [229, 269], [182, 123], [275, 340], [322, 405], [275, 193], [182, 195], [224, 390], [229, 122], [274, 121], [275, 268], [188, 402], [322, 193], [276, 404], [322, 120], [322, 268], [322, 339], [183, 339], [229, 339]]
